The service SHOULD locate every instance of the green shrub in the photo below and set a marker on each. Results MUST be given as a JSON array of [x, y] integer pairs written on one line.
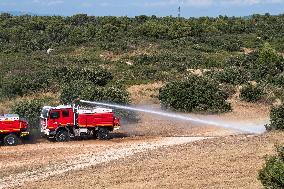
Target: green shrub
[[276, 119], [31, 110], [267, 55], [72, 91], [24, 83], [236, 60], [229, 89], [278, 80], [272, 174], [266, 72], [108, 94], [96, 75], [146, 59], [194, 94], [251, 93], [233, 75], [87, 91]]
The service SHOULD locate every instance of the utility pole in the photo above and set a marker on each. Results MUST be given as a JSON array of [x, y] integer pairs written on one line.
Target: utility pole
[[179, 10]]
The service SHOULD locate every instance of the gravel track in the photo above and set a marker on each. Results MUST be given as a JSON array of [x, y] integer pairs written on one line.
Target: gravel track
[[90, 159]]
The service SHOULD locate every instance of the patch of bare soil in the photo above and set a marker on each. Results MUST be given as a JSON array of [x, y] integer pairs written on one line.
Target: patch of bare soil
[[147, 50], [48, 160], [153, 125], [226, 162], [245, 111], [32, 156], [145, 93], [243, 114], [247, 50]]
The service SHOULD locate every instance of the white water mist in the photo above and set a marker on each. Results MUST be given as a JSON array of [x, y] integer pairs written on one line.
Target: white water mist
[[245, 128]]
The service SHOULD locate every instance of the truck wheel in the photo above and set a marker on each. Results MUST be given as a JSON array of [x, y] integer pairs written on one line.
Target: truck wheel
[[95, 134], [11, 140], [62, 136], [103, 134]]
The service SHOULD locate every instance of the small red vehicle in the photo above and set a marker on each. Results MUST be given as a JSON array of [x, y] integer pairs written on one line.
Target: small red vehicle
[[12, 128], [65, 122]]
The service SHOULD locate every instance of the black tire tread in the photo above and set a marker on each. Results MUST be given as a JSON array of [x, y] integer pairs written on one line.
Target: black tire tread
[[60, 132], [103, 134], [16, 138]]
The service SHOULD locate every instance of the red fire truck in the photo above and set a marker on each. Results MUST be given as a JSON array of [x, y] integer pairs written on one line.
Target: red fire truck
[[64, 122], [12, 128]]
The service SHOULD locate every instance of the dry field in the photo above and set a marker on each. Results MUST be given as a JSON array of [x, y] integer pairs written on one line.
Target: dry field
[[154, 153], [226, 162]]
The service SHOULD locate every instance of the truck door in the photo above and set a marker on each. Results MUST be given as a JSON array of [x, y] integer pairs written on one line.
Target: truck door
[[54, 119], [67, 117]]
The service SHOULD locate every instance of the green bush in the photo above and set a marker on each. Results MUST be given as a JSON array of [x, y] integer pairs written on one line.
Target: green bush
[[87, 91], [31, 110], [108, 94], [276, 119], [24, 83], [236, 60], [267, 55], [194, 94], [96, 75], [72, 91], [228, 88], [233, 75], [251, 93], [278, 80], [272, 174]]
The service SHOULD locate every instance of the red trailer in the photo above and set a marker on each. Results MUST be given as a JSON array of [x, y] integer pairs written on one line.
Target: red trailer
[[65, 122], [12, 128]]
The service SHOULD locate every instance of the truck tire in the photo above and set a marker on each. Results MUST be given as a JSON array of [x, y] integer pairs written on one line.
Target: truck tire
[[95, 134], [62, 136], [11, 140], [103, 134]]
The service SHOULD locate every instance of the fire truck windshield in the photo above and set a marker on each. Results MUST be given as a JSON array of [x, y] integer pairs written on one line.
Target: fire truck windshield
[[44, 113]]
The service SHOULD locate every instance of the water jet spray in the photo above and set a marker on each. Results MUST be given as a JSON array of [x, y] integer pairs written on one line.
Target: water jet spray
[[248, 128]]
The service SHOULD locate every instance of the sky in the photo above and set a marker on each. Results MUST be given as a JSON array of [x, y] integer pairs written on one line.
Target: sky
[[189, 8]]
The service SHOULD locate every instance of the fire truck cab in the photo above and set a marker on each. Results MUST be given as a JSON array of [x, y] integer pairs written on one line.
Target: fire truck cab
[[65, 122], [12, 128]]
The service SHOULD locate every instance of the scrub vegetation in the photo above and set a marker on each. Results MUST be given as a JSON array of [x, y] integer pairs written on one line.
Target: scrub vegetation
[[98, 58]]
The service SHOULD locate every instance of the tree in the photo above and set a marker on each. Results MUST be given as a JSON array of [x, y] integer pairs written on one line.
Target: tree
[[267, 55], [194, 94]]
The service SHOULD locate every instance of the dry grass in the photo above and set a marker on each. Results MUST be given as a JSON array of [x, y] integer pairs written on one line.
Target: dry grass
[[227, 162], [145, 93], [111, 56]]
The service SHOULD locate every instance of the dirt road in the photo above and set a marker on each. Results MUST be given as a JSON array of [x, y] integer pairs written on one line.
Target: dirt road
[[138, 162], [33, 162]]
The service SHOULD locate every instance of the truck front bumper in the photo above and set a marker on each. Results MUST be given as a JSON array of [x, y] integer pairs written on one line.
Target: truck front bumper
[[116, 127], [48, 132], [23, 134]]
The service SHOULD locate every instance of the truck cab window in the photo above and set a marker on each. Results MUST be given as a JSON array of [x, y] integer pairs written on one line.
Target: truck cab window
[[65, 113], [55, 115]]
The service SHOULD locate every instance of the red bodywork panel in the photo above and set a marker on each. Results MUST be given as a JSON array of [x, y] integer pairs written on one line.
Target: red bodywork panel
[[97, 119], [15, 126]]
